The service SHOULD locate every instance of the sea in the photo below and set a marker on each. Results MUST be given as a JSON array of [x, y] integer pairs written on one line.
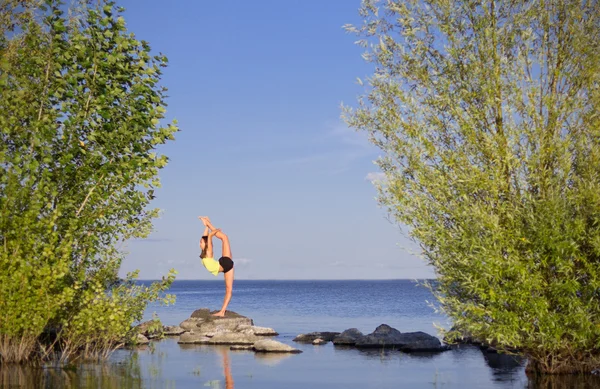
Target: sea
[[292, 308]]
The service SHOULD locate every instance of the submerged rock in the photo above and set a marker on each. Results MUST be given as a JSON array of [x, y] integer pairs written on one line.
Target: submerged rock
[[348, 337], [310, 337], [273, 346]]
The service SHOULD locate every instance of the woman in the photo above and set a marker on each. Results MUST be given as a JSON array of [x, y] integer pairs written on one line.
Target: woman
[[224, 265]]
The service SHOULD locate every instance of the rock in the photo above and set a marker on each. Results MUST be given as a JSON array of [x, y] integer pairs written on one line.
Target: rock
[[254, 330], [144, 329], [310, 337], [172, 330], [273, 346], [190, 324], [319, 341], [420, 341], [141, 340], [192, 337], [348, 337], [210, 325], [238, 347], [385, 336], [233, 338]]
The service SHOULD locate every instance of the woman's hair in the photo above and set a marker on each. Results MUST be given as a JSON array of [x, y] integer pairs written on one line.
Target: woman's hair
[[203, 253]]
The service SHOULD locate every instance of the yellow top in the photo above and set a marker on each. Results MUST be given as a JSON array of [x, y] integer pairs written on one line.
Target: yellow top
[[211, 265]]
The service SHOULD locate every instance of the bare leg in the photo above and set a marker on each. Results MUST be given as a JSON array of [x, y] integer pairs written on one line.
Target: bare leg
[[228, 290]]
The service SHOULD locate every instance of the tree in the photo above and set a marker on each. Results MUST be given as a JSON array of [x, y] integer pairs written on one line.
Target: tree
[[487, 115], [80, 113]]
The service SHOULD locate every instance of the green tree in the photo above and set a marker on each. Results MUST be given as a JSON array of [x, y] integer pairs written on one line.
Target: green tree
[[487, 115], [80, 112]]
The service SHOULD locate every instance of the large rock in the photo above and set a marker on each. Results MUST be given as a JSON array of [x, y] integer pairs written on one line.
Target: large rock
[[385, 336], [193, 338], [172, 330], [233, 338], [255, 330], [206, 323], [310, 337], [348, 337], [273, 346]]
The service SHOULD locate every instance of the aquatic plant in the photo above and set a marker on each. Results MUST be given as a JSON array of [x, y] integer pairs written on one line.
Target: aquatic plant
[[487, 115]]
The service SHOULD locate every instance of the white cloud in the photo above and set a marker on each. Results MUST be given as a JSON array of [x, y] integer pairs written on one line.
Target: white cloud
[[241, 261], [375, 177]]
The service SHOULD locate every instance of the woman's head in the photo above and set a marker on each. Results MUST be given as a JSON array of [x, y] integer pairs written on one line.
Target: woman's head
[[203, 246]]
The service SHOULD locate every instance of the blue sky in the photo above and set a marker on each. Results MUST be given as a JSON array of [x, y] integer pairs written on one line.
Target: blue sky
[[256, 88]]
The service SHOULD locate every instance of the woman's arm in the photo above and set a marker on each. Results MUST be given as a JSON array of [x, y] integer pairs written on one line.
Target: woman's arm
[[209, 245], [204, 238]]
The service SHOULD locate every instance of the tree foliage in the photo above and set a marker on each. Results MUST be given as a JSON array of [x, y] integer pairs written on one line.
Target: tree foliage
[[487, 114], [80, 112]]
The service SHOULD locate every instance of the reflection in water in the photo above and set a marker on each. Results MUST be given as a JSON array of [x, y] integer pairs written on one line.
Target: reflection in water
[[389, 354], [84, 376], [504, 367], [227, 368], [271, 359], [564, 382]]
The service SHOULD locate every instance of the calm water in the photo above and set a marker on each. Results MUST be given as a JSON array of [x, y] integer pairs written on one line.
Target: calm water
[[293, 307]]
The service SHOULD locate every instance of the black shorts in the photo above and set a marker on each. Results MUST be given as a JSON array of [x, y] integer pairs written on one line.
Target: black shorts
[[226, 263]]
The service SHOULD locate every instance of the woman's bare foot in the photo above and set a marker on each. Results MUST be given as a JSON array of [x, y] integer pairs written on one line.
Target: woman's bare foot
[[219, 314]]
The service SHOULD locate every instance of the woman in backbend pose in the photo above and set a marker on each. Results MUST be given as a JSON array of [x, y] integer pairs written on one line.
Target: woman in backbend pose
[[224, 264]]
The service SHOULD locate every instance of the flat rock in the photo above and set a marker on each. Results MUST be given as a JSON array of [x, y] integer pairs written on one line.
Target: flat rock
[[240, 348], [233, 338], [255, 330], [319, 342], [385, 336], [273, 346], [192, 337], [310, 337], [348, 337], [172, 330]]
